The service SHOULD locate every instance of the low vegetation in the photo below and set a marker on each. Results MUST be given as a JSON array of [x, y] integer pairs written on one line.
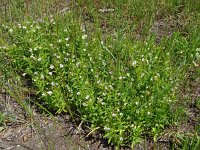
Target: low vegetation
[[88, 64]]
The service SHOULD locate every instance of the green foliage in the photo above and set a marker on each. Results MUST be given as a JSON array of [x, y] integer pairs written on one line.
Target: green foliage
[[185, 141], [1, 118], [125, 88]]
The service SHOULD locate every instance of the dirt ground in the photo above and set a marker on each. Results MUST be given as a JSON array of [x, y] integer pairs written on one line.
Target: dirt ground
[[23, 132]]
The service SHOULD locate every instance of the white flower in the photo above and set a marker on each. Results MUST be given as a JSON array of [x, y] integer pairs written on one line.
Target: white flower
[[42, 76], [114, 115], [121, 139], [51, 66], [84, 36], [59, 41], [136, 103], [61, 65], [134, 63], [120, 77], [67, 39], [19, 25], [24, 27], [121, 114], [103, 103], [58, 57], [83, 30], [50, 92], [39, 59], [77, 64], [100, 99], [156, 77], [50, 73], [148, 113], [84, 50], [11, 30], [106, 128], [24, 74], [52, 83], [87, 97], [84, 104], [142, 75], [110, 86], [32, 56], [43, 94], [67, 45], [78, 93]]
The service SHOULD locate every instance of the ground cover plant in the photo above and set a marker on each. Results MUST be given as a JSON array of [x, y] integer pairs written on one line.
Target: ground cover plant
[[126, 88]]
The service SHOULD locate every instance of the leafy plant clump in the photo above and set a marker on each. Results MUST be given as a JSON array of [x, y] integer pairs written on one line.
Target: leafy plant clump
[[124, 88]]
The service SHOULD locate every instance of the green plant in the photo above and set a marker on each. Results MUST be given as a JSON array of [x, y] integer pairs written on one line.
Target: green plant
[[126, 88], [1, 118]]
